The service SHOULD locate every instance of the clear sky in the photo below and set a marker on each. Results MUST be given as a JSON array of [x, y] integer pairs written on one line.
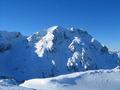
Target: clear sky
[[101, 18]]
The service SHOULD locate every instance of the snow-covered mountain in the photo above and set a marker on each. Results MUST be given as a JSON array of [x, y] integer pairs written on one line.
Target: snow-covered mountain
[[59, 51]]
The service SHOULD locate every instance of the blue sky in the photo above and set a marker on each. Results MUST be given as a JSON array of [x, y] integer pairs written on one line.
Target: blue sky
[[101, 18]]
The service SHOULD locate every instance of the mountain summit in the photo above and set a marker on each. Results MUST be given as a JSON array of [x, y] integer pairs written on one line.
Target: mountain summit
[[59, 51]]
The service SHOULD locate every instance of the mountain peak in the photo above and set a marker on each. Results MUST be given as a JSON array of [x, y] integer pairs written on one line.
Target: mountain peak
[[53, 28]]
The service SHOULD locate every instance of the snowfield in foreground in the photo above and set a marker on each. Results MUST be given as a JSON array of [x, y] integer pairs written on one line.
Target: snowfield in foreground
[[89, 80], [13, 88], [11, 84]]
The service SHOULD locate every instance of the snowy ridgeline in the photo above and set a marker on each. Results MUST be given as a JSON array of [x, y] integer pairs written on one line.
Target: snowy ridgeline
[[89, 80], [59, 51]]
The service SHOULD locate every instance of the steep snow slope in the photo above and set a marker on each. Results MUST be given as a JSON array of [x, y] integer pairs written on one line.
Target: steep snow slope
[[34, 38], [73, 50], [17, 57], [59, 51], [118, 53], [88, 80]]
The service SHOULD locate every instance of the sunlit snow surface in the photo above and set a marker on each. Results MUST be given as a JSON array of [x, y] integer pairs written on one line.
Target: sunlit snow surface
[[89, 80], [14, 88], [10, 84], [57, 52]]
